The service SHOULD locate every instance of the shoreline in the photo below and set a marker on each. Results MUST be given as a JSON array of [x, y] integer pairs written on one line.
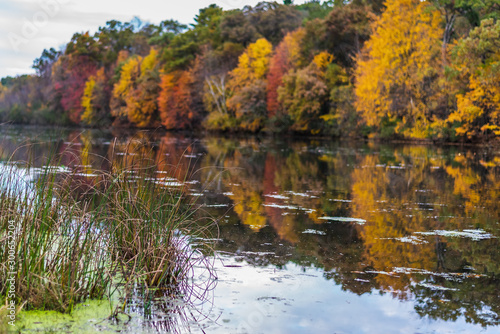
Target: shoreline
[[493, 143]]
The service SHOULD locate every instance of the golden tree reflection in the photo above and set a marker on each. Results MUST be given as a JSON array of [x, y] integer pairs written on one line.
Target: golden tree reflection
[[417, 221], [381, 196]]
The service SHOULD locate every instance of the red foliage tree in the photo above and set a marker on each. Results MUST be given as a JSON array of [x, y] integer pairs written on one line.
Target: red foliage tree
[[70, 75], [174, 101], [286, 57]]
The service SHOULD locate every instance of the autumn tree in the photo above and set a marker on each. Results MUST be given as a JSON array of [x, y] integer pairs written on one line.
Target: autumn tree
[[81, 59], [304, 94], [95, 100], [397, 72], [285, 57], [175, 102], [476, 60], [2, 91], [135, 94], [70, 73], [247, 85], [215, 95], [146, 94], [129, 72]]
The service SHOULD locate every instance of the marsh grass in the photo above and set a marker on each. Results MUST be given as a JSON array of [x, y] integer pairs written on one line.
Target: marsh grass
[[150, 228], [59, 259], [79, 240]]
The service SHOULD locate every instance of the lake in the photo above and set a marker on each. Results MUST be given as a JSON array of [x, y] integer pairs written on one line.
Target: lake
[[313, 235]]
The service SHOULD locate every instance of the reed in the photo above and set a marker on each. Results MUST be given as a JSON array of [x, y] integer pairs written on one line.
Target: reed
[[59, 258], [125, 229]]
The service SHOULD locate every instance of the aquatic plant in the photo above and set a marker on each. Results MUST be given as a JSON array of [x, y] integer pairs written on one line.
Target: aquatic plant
[[57, 257], [86, 238]]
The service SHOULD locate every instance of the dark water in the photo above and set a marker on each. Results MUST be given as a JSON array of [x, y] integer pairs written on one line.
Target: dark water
[[322, 236]]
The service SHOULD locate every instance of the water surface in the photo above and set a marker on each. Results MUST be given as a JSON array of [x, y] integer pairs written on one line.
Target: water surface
[[318, 235]]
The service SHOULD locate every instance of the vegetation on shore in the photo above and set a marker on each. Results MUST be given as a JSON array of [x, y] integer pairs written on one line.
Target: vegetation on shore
[[395, 69]]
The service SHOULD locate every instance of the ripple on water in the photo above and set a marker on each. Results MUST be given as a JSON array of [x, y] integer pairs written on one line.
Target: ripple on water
[[311, 231], [345, 220], [472, 234]]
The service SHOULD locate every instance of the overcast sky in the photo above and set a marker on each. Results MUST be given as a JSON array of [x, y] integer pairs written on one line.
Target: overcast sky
[[29, 26]]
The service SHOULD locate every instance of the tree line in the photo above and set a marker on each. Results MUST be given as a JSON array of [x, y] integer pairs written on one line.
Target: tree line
[[396, 69]]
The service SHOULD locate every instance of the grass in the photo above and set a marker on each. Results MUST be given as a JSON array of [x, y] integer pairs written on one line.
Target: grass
[[59, 259], [124, 231]]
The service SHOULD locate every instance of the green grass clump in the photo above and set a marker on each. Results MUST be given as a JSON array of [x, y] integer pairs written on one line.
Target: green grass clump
[[59, 258], [79, 240]]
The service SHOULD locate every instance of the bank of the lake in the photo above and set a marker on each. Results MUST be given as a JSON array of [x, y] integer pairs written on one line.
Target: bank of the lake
[[415, 70]]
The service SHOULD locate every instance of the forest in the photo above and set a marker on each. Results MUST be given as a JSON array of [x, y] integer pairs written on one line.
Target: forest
[[395, 69]]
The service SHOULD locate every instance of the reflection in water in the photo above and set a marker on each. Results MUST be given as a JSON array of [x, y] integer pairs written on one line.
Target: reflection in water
[[417, 223]]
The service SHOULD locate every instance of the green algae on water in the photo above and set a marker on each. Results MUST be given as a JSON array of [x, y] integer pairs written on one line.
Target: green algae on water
[[89, 317]]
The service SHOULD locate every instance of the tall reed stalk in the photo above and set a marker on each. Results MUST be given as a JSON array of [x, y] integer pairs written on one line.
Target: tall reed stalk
[[127, 228], [60, 259]]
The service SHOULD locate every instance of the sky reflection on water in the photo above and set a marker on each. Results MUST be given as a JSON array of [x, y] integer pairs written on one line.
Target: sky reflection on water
[[298, 300]]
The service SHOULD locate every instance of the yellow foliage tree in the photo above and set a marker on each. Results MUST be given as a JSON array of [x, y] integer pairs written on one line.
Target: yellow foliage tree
[[322, 60], [477, 59], [143, 106], [136, 93], [88, 91], [253, 64], [397, 68], [95, 99], [129, 73], [247, 85]]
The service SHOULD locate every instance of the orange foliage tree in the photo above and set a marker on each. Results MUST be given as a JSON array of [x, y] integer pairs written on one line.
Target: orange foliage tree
[[174, 100]]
